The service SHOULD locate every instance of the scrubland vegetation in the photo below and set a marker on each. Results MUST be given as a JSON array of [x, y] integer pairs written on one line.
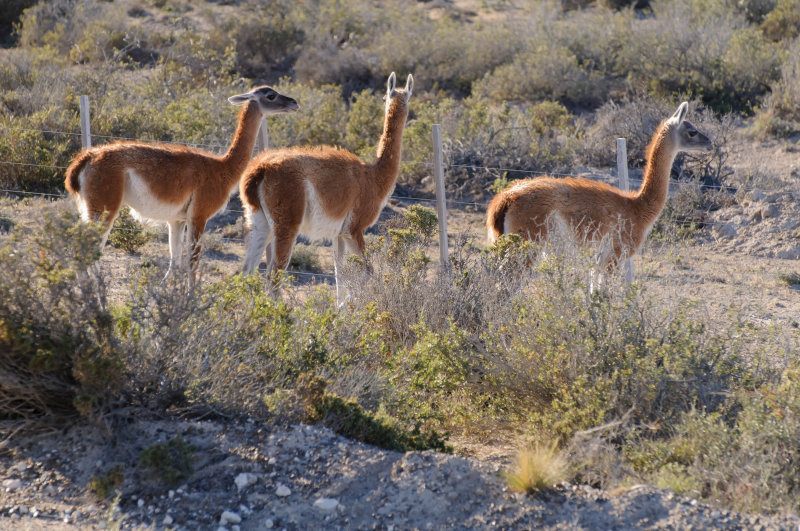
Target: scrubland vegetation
[[625, 385]]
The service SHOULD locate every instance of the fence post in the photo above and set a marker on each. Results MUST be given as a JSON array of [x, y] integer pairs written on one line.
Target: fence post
[[262, 139], [86, 133], [624, 185], [441, 207]]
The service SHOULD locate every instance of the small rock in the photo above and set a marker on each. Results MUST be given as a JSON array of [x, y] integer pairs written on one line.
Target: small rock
[[282, 490], [12, 484], [23, 509], [326, 504], [168, 520], [770, 211], [244, 480], [229, 517], [268, 523], [140, 503], [171, 494], [50, 490], [235, 528], [222, 528], [272, 461], [724, 231], [755, 195], [245, 510]]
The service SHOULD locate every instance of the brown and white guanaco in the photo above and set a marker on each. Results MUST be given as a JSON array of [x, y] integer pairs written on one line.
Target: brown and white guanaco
[[322, 192], [593, 210], [180, 185]]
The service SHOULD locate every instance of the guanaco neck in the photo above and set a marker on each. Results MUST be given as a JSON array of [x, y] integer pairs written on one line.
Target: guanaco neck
[[387, 166], [655, 184], [241, 149]]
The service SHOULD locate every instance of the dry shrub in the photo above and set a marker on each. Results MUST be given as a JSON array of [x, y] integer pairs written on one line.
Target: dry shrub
[[780, 114], [58, 351]]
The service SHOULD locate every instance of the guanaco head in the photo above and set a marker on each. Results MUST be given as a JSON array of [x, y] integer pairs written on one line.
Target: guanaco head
[[269, 100], [684, 134], [401, 96]]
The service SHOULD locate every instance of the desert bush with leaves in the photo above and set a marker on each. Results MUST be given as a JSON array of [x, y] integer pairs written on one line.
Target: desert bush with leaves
[[60, 354], [780, 113], [127, 233]]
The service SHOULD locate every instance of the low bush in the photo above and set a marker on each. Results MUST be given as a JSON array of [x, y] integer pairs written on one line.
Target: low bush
[[127, 233], [780, 113], [58, 350], [106, 484], [169, 462], [348, 418]]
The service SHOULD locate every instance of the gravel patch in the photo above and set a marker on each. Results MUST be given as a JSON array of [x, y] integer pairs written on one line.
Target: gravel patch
[[302, 477]]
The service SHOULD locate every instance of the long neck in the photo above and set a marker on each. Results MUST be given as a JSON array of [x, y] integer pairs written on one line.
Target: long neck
[[241, 148], [655, 185], [387, 165]]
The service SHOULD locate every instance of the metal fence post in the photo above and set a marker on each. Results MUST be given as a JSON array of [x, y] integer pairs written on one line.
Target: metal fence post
[[624, 185], [86, 133], [441, 206]]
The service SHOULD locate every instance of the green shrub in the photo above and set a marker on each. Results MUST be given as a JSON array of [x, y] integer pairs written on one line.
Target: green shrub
[[349, 419], [60, 355], [305, 258], [169, 462], [127, 233], [783, 22], [780, 114], [364, 124], [105, 485]]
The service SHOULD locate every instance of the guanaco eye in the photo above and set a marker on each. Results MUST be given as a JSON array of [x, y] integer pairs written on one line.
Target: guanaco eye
[[271, 96], [692, 134]]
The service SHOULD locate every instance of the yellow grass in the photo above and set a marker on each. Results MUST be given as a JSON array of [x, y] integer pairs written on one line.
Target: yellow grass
[[537, 468]]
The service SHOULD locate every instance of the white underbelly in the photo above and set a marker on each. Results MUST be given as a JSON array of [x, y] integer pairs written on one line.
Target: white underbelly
[[317, 225], [144, 204]]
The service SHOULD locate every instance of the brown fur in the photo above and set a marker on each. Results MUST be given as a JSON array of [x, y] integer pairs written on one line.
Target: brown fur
[[591, 209], [165, 182], [71, 182], [347, 190]]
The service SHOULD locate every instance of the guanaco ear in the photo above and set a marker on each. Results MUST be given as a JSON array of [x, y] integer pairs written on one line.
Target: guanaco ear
[[240, 98], [390, 84], [409, 84], [680, 114]]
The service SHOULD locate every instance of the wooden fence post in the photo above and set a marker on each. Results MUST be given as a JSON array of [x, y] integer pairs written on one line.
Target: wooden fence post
[[262, 139], [86, 133], [441, 206], [624, 185]]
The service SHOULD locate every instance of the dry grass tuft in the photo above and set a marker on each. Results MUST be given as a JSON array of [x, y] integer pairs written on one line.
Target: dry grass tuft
[[537, 468]]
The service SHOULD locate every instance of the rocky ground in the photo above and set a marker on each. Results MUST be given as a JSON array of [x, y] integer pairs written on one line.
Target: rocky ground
[[304, 477]]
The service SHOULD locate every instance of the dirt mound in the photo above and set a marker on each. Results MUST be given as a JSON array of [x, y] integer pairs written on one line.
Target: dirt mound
[[301, 477]]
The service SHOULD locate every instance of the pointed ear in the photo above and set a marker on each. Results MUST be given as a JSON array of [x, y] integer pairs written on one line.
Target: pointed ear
[[390, 84], [409, 84], [680, 114], [240, 98]]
